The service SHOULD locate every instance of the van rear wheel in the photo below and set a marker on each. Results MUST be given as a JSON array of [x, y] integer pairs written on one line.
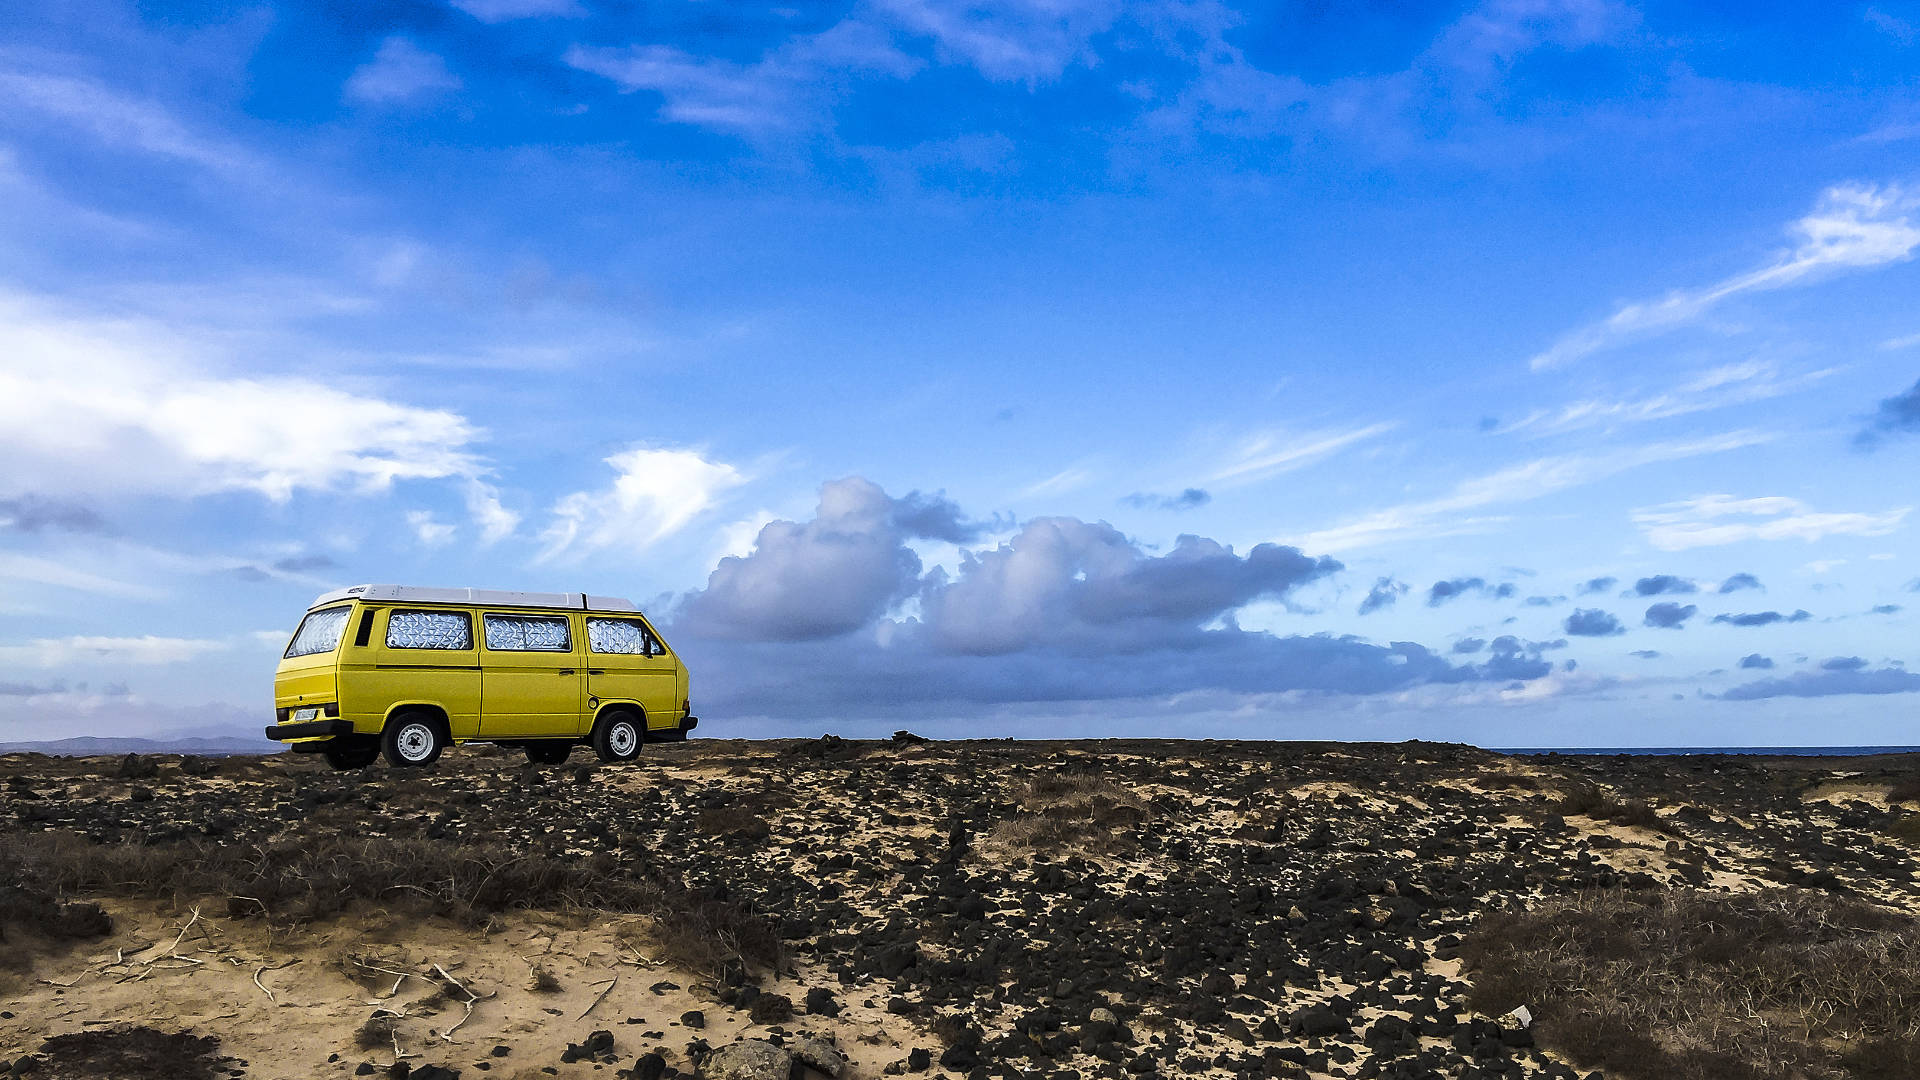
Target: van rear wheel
[[413, 739], [617, 737], [549, 751], [351, 751]]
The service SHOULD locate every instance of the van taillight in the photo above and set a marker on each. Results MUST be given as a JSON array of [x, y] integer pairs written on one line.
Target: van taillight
[[332, 709]]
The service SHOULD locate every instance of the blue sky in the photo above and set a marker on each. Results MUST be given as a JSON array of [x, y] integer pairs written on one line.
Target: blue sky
[[1531, 372]]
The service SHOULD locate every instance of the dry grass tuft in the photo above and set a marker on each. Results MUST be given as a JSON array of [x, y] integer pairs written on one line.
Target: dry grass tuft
[[1696, 985], [1907, 790], [1069, 812], [542, 981], [1589, 800]]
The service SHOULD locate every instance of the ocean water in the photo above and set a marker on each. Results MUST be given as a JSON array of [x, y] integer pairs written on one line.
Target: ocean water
[[1763, 751]]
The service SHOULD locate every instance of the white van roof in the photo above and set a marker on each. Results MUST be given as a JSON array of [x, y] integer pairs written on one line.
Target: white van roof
[[417, 594]]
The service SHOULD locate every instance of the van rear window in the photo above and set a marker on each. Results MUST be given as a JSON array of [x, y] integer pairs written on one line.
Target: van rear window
[[319, 632]]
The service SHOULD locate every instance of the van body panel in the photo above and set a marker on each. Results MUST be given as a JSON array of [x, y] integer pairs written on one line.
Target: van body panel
[[389, 676], [616, 676], [527, 693], [531, 689]]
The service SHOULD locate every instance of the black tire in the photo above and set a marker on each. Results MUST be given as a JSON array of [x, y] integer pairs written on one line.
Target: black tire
[[617, 736], [549, 751], [413, 739], [347, 752]]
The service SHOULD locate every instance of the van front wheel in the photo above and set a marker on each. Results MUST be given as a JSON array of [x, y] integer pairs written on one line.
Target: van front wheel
[[617, 737], [413, 738]]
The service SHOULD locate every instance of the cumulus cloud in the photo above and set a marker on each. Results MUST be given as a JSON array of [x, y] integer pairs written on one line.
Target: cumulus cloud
[[1828, 681], [936, 517], [1442, 591], [828, 576], [1062, 579], [833, 615], [1592, 622], [1755, 660], [1897, 415], [400, 72], [1663, 585], [1737, 582], [1714, 520], [1469, 645], [1385, 593], [1597, 585], [1187, 500], [1852, 227], [1645, 654], [1669, 615], [1761, 618], [1884, 609], [655, 493]]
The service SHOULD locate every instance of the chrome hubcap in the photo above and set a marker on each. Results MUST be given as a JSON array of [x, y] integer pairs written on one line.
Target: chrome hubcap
[[623, 738], [415, 742]]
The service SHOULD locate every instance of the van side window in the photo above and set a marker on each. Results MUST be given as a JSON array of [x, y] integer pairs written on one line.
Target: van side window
[[319, 632], [527, 633], [429, 630], [622, 636]]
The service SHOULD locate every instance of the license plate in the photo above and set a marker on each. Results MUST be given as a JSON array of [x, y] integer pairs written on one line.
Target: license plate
[[305, 714]]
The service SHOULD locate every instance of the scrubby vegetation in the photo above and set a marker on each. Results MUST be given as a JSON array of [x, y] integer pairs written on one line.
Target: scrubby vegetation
[[1695, 985], [313, 877], [1592, 801], [1069, 813]]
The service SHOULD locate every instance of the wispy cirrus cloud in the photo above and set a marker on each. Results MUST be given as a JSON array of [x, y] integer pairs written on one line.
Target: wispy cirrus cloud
[[1715, 520], [1851, 227], [784, 89], [1443, 516], [146, 650], [1718, 388], [1269, 455]]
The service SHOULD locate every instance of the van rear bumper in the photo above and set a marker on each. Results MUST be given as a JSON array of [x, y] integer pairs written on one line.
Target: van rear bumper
[[310, 729]]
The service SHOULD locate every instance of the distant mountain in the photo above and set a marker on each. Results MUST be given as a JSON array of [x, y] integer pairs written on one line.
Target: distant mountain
[[93, 746]]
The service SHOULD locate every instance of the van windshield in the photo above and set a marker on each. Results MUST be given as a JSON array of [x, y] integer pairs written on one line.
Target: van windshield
[[319, 632]]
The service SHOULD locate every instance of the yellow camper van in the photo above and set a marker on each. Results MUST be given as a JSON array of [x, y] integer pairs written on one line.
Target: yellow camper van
[[406, 671]]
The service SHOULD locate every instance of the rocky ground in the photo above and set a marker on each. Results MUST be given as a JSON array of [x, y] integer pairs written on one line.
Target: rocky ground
[[1076, 911]]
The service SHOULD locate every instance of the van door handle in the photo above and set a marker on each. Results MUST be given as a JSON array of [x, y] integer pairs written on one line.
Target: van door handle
[[596, 671], [566, 671]]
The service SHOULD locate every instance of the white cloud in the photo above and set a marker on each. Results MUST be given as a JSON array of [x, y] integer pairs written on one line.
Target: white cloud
[[400, 72], [116, 120], [1058, 484], [430, 530], [493, 11], [1906, 342], [1852, 227], [496, 522], [130, 407], [1016, 41], [38, 571], [655, 494], [1519, 483], [766, 94], [1266, 455], [1720, 387], [147, 651], [1714, 520]]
